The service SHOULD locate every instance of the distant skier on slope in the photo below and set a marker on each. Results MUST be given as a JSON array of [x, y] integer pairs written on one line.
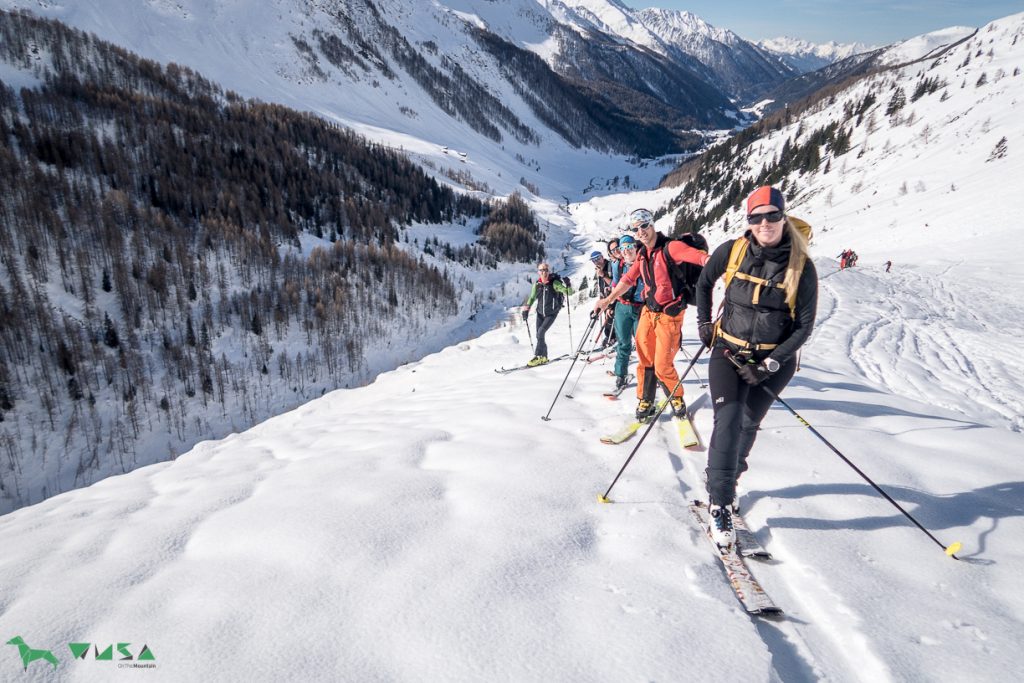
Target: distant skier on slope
[[549, 291], [770, 305], [888, 265], [661, 320]]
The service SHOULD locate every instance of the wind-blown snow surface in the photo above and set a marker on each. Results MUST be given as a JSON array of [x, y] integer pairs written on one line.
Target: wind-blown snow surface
[[431, 526]]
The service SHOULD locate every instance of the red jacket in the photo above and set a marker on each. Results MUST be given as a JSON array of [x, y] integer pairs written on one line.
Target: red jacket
[[678, 251]]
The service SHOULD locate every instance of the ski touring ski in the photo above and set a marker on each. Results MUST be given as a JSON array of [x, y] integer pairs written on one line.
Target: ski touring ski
[[629, 430], [748, 544], [505, 371], [615, 393], [748, 591], [688, 438], [623, 434]]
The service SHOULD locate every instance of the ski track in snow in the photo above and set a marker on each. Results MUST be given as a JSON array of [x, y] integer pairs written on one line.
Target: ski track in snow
[[924, 357], [797, 651]]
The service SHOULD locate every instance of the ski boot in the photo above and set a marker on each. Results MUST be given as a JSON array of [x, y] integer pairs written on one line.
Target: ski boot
[[679, 407], [644, 410], [722, 532]]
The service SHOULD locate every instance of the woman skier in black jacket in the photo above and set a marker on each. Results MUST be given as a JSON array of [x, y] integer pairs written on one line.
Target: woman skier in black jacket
[[770, 304]]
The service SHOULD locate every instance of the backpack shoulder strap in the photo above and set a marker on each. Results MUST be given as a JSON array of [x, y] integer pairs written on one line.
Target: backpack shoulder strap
[[736, 254]]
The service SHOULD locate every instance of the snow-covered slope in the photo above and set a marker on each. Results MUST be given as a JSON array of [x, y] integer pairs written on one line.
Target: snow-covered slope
[[431, 527], [805, 56]]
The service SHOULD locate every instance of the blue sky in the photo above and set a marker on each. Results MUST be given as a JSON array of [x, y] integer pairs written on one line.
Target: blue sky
[[868, 21]]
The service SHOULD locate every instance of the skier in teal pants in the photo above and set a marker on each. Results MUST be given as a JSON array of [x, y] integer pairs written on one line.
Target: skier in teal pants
[[627, 312]]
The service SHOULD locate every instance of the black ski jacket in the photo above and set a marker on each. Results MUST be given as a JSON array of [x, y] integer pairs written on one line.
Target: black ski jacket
[[768, 321]]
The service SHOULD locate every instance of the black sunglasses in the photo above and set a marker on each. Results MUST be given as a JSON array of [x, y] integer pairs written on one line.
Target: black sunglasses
[[772, 217]]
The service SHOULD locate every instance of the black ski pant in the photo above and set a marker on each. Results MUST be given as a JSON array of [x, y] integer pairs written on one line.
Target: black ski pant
[[739, 409], [544, 322]]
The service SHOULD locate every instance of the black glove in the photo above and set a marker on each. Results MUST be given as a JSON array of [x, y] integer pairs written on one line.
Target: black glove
[[753, 374], [706, 332], [526, 314], [565, 281]]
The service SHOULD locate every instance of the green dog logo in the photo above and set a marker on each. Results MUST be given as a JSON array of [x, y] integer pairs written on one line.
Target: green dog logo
[[28, 655]]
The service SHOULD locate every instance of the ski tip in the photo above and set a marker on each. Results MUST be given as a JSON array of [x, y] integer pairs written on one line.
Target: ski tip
[[954, 548], [603, 499]]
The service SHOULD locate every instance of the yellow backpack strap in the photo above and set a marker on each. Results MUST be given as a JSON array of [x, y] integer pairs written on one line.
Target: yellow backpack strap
[[739, 249]]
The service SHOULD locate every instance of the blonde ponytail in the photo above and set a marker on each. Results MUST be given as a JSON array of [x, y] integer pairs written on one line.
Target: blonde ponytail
[[798, 252]]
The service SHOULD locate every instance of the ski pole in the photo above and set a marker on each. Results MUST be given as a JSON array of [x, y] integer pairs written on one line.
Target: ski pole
[[654, 420], [950, 549], [569, 394], [568, 313], [597, 336], [576, 357], [703, 384], [528, 333]]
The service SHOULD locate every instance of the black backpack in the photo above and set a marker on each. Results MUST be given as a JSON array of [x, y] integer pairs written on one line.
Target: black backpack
[[559, 297], [685, 275]]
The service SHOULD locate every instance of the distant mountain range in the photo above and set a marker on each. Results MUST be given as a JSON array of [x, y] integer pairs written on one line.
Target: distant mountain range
[[593, 73], [804, 56]]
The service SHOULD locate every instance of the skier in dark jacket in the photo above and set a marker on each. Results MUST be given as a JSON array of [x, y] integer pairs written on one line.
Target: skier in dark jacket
[[769, 311], [549, 291]]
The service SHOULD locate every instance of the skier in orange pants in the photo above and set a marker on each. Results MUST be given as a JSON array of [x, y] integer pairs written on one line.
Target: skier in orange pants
[[659, 263]]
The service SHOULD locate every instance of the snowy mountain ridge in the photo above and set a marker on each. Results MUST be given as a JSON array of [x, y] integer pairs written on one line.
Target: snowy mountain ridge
[[921, 46], [806, 56], [742, 68]]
